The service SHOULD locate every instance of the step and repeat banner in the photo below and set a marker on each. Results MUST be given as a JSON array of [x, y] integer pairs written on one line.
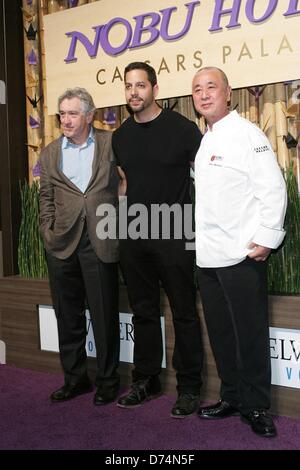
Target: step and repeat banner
[[254, 42]]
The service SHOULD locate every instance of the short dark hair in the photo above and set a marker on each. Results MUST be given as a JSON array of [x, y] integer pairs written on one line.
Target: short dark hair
[[151, 74]]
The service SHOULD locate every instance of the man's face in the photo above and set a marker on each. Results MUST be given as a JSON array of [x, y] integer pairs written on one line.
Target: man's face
[[211, 95], [139, 92], [74, 123]]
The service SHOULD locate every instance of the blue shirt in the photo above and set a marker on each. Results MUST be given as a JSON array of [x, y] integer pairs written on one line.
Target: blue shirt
[[77, 161]]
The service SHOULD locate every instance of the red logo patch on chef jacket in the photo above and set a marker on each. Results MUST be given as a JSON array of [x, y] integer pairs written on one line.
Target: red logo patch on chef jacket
[[218, 158]]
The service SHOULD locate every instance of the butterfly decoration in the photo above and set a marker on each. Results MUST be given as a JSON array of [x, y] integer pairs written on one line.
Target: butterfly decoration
[[31, 33], [290, 141], [34, 101], [109, 117], [36, 170], [32, 58], [34, 123]]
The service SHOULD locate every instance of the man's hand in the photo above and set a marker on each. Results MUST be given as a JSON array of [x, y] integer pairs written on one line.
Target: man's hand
[[122, 183], [259, 253]]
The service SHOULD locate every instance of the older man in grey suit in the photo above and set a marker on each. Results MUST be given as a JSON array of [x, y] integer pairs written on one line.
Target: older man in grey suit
[[78, 173]]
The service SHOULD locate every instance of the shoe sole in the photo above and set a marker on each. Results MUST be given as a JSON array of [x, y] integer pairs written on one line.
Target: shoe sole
[[150, 397]]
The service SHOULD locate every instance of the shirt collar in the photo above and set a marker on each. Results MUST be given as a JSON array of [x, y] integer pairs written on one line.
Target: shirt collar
[[66, 143], [225, 121]]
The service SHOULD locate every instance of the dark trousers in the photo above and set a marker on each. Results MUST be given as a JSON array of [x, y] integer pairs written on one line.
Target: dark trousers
[[145, 263], [83, 277], [235, 303]]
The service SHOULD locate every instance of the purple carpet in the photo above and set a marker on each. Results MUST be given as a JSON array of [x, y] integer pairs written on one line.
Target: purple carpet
[[29, 421]]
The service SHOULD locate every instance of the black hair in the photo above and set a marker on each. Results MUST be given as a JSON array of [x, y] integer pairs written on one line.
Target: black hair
[[151, 74]]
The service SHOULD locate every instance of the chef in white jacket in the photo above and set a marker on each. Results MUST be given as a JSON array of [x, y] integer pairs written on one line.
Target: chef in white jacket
[[240, 208]]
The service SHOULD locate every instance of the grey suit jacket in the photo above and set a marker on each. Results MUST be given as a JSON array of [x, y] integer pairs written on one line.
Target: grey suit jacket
[[64, 208]]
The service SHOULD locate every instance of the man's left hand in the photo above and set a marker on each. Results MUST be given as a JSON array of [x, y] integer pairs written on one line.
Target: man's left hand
[[259, 253]]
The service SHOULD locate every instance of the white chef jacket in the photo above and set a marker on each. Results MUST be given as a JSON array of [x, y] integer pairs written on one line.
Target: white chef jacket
[[240, 193]]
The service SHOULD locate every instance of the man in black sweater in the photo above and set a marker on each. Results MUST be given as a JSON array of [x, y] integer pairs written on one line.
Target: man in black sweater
[[154, 149]]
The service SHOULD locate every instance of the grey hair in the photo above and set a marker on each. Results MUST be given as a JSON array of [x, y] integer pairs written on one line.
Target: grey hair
[[223, 74], [83, 95]]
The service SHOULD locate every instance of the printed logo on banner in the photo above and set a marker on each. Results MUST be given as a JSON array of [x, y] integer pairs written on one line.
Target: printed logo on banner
[[253, 45], [49, 337], [285, 357]]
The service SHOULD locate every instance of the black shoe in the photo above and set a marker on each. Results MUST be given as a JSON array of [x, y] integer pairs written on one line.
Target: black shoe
[[69, 391], [261, 423], [186, 405], [106, 394], [141, 391], [219, 410]]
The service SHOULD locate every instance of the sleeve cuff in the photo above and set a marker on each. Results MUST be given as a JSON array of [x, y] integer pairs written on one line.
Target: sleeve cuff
[[269, 237]]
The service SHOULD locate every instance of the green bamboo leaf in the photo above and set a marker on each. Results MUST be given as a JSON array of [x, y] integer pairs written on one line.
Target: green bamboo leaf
[[284, 273]]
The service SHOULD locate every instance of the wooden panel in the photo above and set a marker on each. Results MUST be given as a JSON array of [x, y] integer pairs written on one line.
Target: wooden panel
[[284, 311], [19, 298]]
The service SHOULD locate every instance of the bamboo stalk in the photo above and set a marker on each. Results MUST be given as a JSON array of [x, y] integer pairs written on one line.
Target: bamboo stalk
[[44, 8], [53, 122], [32, 85], [241, 108], [51, 125], [55, 125], [53, 6], [268, 124], [260, 111], [234, 100], [281, 125], [247, 103], [253, 109], [244, 103]]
